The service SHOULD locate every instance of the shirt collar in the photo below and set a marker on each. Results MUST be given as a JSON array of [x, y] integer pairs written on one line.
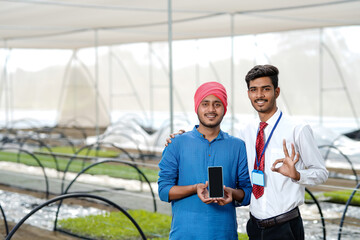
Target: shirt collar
[[271, 121], [198, 134]]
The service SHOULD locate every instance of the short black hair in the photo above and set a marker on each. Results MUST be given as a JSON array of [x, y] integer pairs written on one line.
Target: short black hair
[[263, 71]]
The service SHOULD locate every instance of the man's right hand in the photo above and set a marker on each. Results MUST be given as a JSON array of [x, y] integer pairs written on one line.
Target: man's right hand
[[168, 140], [203, 192]]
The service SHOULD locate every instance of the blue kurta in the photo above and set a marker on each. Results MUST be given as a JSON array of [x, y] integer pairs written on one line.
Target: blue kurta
[[185, 162]]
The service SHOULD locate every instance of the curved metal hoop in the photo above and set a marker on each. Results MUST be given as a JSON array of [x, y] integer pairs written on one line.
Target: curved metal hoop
[[5, 222], [88, 148], [115, 161], [345, 156], [39, 163], [321, 214], [97, 163], [345, 210], [22, 142], [75, 195]]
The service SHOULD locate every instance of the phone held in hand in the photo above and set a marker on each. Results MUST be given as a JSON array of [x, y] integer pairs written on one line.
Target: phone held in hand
[[216, 186]]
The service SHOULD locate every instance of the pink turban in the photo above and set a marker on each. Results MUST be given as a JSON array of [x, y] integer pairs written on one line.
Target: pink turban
[[210, 88]]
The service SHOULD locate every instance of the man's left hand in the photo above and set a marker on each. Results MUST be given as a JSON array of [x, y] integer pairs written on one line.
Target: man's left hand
[[288, 163], [227, 197]]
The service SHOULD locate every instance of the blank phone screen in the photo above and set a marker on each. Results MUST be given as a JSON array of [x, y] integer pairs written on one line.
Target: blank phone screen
[[216, 189]]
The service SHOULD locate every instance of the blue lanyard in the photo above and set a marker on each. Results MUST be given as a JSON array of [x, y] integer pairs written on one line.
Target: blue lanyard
[[267, 142]]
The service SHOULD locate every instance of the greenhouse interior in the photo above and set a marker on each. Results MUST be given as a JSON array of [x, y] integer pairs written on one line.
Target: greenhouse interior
[[91, 90]]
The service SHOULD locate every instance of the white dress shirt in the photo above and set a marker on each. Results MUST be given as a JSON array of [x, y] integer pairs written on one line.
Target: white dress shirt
[[282, 194]]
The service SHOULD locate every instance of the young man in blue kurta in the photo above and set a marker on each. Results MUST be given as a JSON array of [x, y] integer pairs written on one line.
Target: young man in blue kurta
[[183, 173]]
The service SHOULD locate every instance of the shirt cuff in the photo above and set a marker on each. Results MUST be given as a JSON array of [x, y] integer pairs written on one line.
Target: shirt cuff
[[301, 180], [164, 194]]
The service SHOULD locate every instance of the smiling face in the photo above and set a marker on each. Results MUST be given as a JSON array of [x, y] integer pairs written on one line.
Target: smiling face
[[210, 112], [263, 97]]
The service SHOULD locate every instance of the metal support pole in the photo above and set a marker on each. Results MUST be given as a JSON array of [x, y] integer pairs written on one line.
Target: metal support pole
[[4, 87], [151, 88], [96, 85], [321, 78], [232, 89], [11, 97], [111, 87], [170, 65], [64, 84], [197, 67]]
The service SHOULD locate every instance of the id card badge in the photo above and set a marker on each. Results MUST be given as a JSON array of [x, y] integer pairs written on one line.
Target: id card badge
[[258, 177]]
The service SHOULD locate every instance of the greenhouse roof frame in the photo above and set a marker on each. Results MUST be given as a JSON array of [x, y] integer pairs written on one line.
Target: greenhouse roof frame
[[73, 24]]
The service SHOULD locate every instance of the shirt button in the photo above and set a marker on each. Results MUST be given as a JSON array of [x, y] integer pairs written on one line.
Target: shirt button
[[209, 155]]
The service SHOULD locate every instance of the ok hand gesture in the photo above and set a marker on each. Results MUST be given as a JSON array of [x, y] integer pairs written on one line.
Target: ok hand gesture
[[288, 163]]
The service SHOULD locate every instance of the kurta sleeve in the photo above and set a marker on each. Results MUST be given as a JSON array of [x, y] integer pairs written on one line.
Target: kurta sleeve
[[243, 178], [168, 174]]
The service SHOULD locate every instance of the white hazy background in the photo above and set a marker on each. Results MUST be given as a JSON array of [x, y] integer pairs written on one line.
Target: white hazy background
[[52, 86]]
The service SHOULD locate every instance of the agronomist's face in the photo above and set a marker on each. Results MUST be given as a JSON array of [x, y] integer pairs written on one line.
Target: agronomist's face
[[210, 111], [263, 95]]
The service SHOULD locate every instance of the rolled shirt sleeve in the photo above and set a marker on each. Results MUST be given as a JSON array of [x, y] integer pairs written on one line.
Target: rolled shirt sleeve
[[243, 181], [168, 173]]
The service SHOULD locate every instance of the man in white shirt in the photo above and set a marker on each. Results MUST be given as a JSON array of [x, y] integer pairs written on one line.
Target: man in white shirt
[[274, 212]]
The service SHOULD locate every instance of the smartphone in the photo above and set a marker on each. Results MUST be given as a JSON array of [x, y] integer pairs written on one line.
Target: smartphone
[[216, 186]]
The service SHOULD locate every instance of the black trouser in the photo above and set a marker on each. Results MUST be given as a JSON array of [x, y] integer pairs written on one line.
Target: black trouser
[[290, 230]]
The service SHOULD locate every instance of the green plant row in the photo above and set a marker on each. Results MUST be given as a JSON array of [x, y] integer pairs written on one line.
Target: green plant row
[[116, 225], [127, 172], [113, 170], [343, 196], [113, 225], [340, 197], [91, 152]]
